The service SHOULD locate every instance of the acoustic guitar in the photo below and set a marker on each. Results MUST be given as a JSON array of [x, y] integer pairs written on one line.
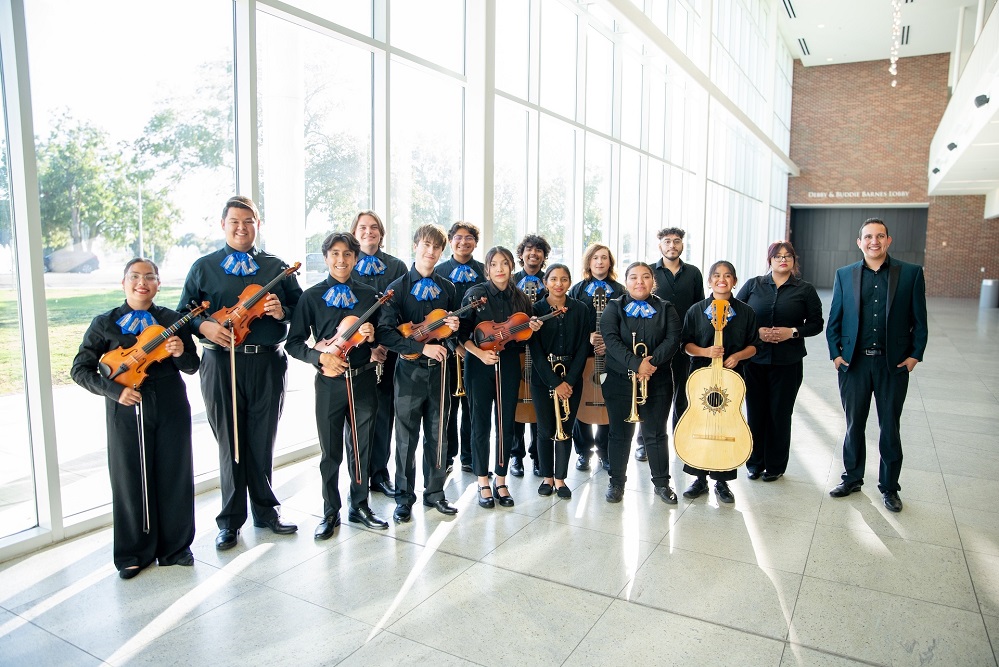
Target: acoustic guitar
[[712, 434], [525, 413], [592, 409]]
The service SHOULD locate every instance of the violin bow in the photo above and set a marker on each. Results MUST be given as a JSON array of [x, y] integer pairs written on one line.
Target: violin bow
[[232, 382]]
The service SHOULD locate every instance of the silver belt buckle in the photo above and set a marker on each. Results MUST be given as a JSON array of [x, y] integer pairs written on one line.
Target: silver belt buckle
[[251, 349]]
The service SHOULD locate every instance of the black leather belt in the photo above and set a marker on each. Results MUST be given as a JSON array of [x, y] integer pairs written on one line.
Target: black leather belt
[[242, 349], [874, 352], [354, 372], [422, 361]]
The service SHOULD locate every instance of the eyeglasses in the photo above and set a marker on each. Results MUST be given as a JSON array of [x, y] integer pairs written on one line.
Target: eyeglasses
[[136, 277], [672, 241], [783, 258], [462, 238]]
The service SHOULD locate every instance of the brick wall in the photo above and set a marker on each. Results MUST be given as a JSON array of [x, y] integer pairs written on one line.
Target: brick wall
[[858, 142]]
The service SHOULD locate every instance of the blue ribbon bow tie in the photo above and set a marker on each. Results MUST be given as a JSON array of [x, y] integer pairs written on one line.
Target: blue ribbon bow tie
[[592, 288], [639, 309], [239, 264], [340, 296], [370, 266], [463, 273], [729, 312], [530, 279], [425, 290], [135, 322]]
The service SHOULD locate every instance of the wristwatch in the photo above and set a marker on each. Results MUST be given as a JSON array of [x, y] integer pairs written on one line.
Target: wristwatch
[[795, 333]]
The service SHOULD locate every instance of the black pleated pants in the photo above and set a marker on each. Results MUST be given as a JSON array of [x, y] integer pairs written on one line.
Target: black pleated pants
[[421, 397], [337, 428], [617, 395], [480, 383], [770, 394], [260, 386], [553, 455], [166, 416]]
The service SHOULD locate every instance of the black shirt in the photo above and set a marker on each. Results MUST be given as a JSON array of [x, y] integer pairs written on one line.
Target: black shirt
[[740, 332], [873, 306], [447, 269], [207, 281], [394, 268], [315, 318], [566, 335], [105, 335], [578, 292], [682, 290], [405, 308], [794, 304], [540, 275], [500, 305], [660, 333]]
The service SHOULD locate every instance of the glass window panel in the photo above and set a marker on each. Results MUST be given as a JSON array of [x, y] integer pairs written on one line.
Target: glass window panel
[[629, 208], [657, 114], [355, 15], [510, 176], [159, 119], [426, 130], [558, 59], [513, 46], [599, 81], [17, 508], [596, 190], [556, 179], [431, 29], [654, 206], [631, 101]]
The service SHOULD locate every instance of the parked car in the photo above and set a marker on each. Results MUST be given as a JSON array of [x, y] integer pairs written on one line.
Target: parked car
[[71, 260], [315, 269]]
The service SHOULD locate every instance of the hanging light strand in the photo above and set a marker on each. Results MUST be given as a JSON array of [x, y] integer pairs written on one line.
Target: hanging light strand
[[896, 35]]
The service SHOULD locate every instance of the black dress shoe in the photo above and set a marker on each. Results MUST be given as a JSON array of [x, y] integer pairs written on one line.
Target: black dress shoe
[[187, 560], [614, 493], [583, 463], [363, 514], [277, 526], [324, 530], [487, 502], [640, 454], [605, 464], [697, 488], [129, 572], [442, 506], [226, 539], [402, 514], [667, 495], [755, 474], [385, 487], [845, 488], [504, 501], [772, 477], [724, 493], [892, 501], [466, 467], [516, 466], [537, 468]]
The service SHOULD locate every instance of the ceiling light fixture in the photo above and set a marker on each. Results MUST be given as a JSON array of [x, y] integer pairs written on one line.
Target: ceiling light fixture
[[896, 33], [981, 101]]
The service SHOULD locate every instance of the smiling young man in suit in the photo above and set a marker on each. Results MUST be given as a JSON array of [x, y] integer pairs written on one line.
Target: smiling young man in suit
[[877, 334]]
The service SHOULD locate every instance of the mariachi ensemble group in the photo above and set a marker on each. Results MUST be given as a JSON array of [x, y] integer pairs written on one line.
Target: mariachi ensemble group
[[445, 361]]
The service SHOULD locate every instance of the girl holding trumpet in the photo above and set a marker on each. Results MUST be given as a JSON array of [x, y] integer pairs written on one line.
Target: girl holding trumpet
[[641, 333], [558, 352]]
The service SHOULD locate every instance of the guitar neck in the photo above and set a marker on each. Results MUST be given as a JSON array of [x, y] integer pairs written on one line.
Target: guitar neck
[[719, 342]]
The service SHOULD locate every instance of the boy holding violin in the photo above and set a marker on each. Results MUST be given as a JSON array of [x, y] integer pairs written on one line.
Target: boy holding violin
[[424, 304], [221, 278], [345, 387]]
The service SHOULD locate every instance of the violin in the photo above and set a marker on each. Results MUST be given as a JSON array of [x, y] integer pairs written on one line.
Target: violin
[[433, 327], [346, 337], [493, 336], [249, 306], [129, 366]]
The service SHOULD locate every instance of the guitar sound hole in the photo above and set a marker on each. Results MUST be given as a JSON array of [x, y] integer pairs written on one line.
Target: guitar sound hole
[[715, 399]]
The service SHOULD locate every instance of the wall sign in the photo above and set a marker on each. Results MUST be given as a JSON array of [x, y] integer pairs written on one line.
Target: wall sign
[[860, 194]]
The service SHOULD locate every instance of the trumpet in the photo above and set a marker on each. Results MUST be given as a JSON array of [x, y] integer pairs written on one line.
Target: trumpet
[[639, 388], [459, 389], [561, 406]]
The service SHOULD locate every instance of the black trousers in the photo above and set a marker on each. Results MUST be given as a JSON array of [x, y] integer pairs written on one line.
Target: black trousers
[[480, 383], [166, 417], [654, 414], [553, 455], [260, 385], [866, 376], [381, 443], [770, 394], [421, 397], [459, 433], [337, 430], [520, 448], [584, 439], [680, 367]]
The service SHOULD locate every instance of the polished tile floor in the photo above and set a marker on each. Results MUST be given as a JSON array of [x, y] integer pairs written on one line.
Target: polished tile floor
[[785, 576]]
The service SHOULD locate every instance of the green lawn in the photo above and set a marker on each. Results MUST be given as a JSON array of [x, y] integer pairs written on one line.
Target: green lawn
[[70, 313]]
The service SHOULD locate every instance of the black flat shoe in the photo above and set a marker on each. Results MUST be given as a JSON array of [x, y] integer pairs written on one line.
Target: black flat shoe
[[363, 514], [187, 560], [563, 492], [755, 475], [324, 530], [442, 506], [771, 477], [277, 526], [226, 539], [486, 501], [546, 489], [583, 463], [696, 489], [614, 493], [640, 454], [402, 514], [504, 501], [844, 489], [724, 493], [129, 572]]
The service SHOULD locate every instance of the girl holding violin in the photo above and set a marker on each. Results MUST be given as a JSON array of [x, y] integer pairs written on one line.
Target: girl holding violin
[[165, 415], [559, 353], [740, 340], [641, 333], [491, 376]]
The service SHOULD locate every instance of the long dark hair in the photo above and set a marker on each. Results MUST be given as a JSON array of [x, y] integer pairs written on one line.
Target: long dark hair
[[520, 300], [778, 246]]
